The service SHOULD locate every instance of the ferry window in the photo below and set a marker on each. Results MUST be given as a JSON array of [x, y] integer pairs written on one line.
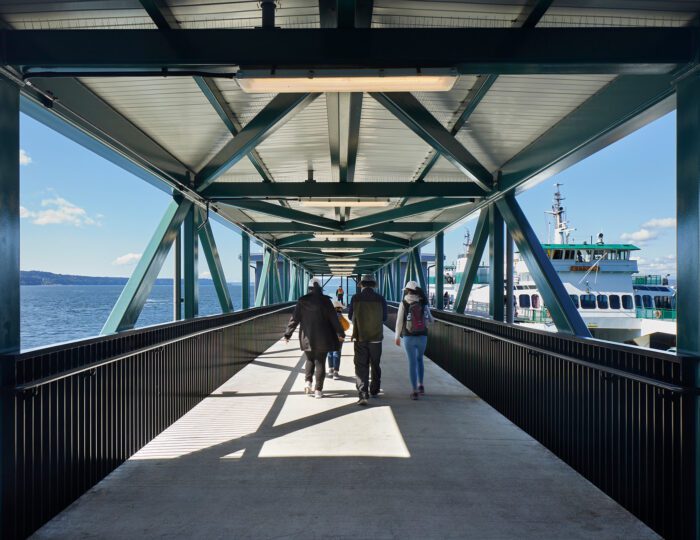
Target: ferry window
[[524, 301], [614, 301], [627, 301], [588, 301], [638, 300], [602, 301], [569, 254], [535, 301], [557, 254], [574, 299], [662, 302], [648, 302]]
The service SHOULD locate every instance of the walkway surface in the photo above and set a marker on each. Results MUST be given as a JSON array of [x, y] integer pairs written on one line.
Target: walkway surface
[[258, 459]]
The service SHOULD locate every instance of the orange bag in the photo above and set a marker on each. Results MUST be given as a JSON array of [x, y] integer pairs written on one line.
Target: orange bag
[[344, 322]]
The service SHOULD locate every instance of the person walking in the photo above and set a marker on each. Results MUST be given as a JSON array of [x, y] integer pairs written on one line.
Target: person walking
[[334, 356], [319, 334], [368, 314], [412, 322], [340, 293]]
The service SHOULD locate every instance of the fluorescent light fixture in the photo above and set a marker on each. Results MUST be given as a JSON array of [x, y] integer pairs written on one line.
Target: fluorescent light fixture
[[342, 259], [357, 80], [347, 203], [342, 235], [342, 250]]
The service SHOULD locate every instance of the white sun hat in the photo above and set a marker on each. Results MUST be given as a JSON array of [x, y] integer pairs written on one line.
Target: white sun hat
[[314, 281], [338, 304], [412, 285]]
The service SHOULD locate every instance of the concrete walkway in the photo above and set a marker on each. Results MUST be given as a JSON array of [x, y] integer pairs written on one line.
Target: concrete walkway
[[258, 459]]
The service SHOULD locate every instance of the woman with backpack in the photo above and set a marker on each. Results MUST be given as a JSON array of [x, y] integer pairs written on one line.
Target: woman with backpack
[[412, 325]]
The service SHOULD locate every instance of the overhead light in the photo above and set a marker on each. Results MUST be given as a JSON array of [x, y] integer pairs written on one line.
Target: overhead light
[[342, 259], [358, 80], [342, 235], [347, 203], [342, 250]]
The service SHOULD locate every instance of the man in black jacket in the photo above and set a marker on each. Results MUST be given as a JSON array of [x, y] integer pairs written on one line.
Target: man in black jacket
[[368, 313], [319, 334]]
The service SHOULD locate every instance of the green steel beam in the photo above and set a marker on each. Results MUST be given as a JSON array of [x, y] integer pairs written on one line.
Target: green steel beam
[[404, 212], [422, 281], [476, 251], [391, 227], [440, 270], [276, 289], [191, 262], [365, 244], [160, 14], [294, 239], [263, 284], [294, 284], [245, 270], [648, 50], [286, 213], [177, 277], [496, 253], [407, 108], [278, 111], [9, 223], [397, 279], [211, 253], [135, 293], [389, 239], [344, 111], [563, 312], [231, 191]]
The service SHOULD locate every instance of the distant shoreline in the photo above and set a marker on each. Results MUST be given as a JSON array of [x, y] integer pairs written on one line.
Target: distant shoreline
[[39, 278]]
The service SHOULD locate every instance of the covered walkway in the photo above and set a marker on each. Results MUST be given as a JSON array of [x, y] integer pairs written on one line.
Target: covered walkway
[[259, 459]]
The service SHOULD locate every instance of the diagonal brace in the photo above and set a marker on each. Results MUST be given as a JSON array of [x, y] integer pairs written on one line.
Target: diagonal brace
[[476, 251], [564, 314], [211, 253], [132, 299]]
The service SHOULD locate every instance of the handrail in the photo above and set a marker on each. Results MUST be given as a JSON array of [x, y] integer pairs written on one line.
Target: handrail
[[94, 365], [612, 371]]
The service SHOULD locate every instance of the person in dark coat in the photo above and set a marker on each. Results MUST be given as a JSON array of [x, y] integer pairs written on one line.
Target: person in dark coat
[[320, 333]]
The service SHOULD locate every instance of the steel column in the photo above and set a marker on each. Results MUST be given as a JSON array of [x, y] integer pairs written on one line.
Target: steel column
[[496, 249], [688, 239], [418, 266], [440, 270], [263, 283], [9, 217], [510, 306], [564, 314], [245, 270], [191, 247], [177, 277], [135, 293], [476, 251], [398, 286], [211, 252]]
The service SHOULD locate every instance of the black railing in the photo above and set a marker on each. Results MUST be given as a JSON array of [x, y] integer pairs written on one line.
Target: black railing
[[621, 416], [74, 412]]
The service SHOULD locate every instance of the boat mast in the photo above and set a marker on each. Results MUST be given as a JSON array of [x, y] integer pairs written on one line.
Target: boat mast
[[561, 226]]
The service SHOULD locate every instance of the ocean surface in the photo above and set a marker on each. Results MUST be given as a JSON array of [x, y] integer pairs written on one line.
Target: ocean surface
[[53, 314]]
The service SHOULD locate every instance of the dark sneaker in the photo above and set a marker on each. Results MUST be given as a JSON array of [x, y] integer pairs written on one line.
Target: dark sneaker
[[414, 395], [362, 402], [421, 390]]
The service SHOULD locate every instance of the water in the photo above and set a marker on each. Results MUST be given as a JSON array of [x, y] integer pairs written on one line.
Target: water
[[56, 313]]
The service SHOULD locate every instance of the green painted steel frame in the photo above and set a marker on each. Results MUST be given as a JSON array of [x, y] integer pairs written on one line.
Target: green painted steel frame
[[191, 263], [562, 310], [496, 255], [9, 218], [474, 255], [440, 270], [128, 307], [245, 270], [211, 253], [263, 283]]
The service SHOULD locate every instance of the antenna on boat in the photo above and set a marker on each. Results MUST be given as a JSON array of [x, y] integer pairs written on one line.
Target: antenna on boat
[[561, 228]]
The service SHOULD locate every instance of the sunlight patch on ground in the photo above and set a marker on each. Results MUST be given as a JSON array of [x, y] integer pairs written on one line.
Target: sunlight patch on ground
[[371, 432], [238, 454]]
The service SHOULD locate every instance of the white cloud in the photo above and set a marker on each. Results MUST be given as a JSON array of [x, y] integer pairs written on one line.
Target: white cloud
[[205, 275], [58, 211], [129, 258], [661, 223], [658, 265], [24, 158], [641, 236]]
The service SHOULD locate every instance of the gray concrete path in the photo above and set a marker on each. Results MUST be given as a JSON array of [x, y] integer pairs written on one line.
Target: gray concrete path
[[258, 459]]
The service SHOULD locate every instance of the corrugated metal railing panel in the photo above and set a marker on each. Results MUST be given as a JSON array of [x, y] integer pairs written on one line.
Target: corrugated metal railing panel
[[622, 416], [81, 409]]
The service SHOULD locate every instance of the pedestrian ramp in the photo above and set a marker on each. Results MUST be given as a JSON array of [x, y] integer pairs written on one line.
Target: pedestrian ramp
[[260, 459]]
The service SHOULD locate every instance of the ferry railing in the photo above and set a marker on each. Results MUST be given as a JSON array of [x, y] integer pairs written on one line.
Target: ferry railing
[[620, 415], [72, 413], [533, 315], [653, 313]]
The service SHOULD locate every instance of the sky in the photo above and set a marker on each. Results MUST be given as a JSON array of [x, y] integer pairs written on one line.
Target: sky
[[83, 215]]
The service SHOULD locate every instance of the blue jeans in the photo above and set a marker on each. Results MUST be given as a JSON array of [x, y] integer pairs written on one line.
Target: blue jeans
[[415, 348], [334, 360]]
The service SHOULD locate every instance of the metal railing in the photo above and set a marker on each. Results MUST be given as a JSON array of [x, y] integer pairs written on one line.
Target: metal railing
[[621, 416], [653, 313], [74, 412]]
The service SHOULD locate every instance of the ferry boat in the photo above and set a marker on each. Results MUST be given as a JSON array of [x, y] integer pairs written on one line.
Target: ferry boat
[[602, 281]]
